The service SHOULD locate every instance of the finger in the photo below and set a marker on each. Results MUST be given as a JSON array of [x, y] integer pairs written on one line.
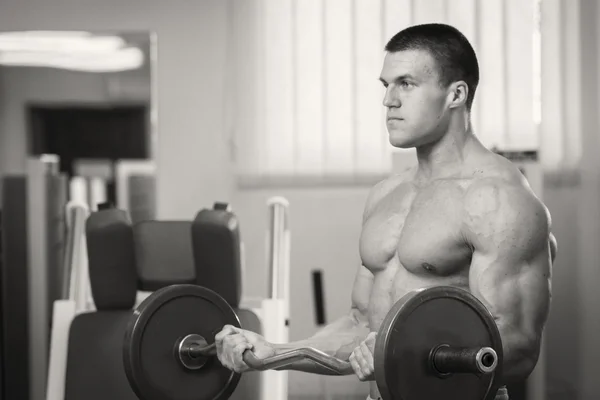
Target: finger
[[223, 356], [230, 343], [226, 348], [238, 362], [368, 358], [372, 336], [362, 363], [220, 336], [370, 340], [227, 330], [233, 340], [356, 367], [224, 360], [231, 356], [222, 333]]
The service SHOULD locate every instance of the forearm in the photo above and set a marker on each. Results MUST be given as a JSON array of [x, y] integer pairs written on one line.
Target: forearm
[[520, 354], [337, 339]]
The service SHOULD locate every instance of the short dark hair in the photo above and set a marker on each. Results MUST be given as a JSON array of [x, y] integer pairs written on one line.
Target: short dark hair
[[451, 50]]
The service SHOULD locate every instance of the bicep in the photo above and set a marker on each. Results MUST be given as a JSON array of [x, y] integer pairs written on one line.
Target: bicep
[[511, 265], [361, 293], [516, 292]]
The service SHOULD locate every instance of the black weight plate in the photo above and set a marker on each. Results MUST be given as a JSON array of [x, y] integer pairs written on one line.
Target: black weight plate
[[422, 320], [165, 317]]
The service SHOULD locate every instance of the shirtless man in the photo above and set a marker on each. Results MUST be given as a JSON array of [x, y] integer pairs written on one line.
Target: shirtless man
[[463, 216]]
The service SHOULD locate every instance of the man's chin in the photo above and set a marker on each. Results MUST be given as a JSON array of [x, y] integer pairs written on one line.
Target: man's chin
[[401, 143]]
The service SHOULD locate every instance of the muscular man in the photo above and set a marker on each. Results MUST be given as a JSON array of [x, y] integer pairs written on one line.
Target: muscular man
[[462, 216]]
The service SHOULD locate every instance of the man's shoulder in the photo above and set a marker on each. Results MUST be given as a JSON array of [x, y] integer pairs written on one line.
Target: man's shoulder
[[495, 173], [501, 198], [504, 215]]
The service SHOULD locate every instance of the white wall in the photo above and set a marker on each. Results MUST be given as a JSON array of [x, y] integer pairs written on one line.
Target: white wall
[[195, 170]]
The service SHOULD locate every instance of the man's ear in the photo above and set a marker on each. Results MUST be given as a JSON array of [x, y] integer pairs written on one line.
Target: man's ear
[[458, 93]]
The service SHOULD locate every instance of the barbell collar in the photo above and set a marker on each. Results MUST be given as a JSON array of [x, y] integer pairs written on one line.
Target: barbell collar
[[446, 360]]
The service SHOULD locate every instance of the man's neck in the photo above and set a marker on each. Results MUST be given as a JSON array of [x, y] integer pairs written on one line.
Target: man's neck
[[446, 156]]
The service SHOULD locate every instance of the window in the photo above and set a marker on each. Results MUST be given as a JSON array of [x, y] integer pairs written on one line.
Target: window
[[304, 89]]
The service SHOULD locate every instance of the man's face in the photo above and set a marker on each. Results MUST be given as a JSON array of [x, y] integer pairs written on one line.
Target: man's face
[[415, 101]]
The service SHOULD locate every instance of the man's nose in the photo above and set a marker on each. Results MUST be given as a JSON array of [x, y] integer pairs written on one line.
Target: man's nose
[[390, 100]]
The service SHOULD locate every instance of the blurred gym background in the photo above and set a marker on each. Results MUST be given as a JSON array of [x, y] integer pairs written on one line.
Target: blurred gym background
[[164, 108]]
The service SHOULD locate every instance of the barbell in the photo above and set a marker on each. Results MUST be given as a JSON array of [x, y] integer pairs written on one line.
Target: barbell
[[438, 342]]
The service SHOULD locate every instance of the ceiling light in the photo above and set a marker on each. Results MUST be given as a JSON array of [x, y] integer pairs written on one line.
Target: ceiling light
[[124, 59], [72, 50], [59, 42]]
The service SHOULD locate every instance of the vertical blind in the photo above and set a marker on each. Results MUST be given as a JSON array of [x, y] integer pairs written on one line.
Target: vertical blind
[[304, 91], [561, 89]]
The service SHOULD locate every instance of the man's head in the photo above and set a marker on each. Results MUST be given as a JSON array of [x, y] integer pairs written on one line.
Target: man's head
[[429, 70]]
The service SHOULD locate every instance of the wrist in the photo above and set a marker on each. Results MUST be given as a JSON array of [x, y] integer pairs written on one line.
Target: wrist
[[280, 348]]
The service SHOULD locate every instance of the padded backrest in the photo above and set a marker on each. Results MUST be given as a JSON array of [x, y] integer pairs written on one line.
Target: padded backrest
[[164, 254], [95, 368], [95, 351], [217, 258], [111, 257]]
